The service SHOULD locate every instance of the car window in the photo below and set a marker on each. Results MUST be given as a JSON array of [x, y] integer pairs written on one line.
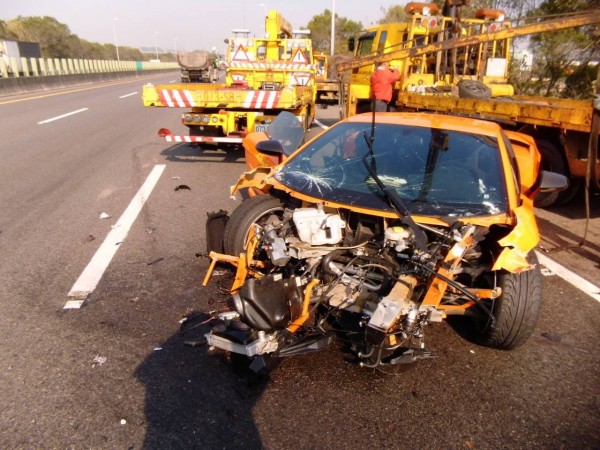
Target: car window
[[436, 172]]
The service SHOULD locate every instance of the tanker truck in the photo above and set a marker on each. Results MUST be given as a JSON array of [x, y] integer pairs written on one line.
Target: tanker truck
[[198, 66]]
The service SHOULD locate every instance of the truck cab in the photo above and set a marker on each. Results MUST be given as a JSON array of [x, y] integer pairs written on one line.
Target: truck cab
[[486, 63]]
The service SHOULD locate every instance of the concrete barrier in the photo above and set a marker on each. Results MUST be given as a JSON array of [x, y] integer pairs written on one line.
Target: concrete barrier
[[24, 85]]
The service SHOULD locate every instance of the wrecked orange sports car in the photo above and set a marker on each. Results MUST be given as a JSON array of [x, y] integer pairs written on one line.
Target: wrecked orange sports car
[[376, 228]]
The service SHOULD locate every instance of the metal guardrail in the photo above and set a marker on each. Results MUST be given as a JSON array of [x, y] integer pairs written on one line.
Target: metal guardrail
[[40, 67]]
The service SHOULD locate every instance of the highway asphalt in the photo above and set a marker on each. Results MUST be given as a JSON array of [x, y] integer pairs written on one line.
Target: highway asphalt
[[117, 373]]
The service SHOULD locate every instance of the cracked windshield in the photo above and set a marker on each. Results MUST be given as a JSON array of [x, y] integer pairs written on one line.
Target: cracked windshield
[[436, 172]]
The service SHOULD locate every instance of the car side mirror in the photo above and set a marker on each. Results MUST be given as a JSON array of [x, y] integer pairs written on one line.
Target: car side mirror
[[552, 181], [351, 44], [270, 147]]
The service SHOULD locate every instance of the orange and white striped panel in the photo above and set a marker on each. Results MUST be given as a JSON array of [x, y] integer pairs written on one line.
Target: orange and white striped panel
[[264, 66], [176, 98], [211, 139], [262, 99]]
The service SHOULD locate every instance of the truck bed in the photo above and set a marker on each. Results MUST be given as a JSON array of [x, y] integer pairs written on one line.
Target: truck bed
[[196, 60], [575, 115], [223, 96]]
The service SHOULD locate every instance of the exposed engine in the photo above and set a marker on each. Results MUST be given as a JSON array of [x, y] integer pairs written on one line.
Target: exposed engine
[[356, 277]]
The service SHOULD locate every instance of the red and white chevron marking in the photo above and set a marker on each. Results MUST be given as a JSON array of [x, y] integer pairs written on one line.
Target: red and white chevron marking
[[263, 66], [262, 99], [180, 98], [175, 138]]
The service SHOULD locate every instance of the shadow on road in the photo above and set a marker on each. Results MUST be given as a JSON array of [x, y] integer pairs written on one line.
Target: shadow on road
[[204, 152], [562, 239], [563, 228], [575, 209], [195, 401]]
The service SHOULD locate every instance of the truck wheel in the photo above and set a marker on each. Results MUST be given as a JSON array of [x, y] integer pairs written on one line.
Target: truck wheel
[[516, 311], [571, 192], [308, 120], [256, 210], [553, 162], [473, 89], [363, 107]]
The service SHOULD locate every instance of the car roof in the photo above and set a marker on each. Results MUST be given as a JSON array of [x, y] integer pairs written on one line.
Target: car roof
[[430, 120]]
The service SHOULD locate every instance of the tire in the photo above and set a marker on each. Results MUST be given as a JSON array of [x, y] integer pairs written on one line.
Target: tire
[[473, 89], [363, 107], [571, 192], [249, 212], [553, 162], [516, 311], [308, 120]]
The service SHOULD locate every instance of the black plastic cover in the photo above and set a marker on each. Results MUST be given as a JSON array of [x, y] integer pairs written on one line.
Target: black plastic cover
[[215, 230], [263, 304]]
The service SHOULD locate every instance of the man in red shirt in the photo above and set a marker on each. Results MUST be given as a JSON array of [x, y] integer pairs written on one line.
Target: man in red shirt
[[382, 84]]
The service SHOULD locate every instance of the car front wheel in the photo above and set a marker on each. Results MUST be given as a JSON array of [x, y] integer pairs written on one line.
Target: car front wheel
[[515, 312], [254, 212]]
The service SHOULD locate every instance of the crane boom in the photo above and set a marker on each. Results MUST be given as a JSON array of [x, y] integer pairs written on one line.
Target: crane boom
[[576, 20]]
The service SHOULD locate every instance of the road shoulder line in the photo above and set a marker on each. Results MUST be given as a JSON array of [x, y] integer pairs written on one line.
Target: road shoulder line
[[325, 127], [91, 275], [570, 277], [62, 116]]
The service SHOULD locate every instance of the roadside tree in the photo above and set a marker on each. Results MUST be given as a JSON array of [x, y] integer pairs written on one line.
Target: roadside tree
[[320, 31]]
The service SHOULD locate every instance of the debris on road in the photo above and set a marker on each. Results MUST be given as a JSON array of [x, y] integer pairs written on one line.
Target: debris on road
[[154, 261], [196, 342], [183, 186], [99, 360], [105, 216], [554, 337]]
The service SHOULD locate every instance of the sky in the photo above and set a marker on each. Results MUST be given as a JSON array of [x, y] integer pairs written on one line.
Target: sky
[[183, 25]]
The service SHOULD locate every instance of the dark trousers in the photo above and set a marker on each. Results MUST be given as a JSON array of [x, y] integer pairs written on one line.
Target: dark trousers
[[381, 106]]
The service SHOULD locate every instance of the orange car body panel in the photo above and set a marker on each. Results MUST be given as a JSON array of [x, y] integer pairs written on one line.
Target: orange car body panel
[[522, 238]]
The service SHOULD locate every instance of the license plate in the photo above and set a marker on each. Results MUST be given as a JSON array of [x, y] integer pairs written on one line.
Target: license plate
[[261, 127]]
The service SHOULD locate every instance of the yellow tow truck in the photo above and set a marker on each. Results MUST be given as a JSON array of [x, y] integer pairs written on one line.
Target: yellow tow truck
[[328, 87], [264, 76], [460, 66]]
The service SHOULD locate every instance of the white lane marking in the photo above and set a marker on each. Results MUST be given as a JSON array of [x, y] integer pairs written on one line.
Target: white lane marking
[[580, 283], [91, 275], [52, 119], [128, 95], [325, 127]]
